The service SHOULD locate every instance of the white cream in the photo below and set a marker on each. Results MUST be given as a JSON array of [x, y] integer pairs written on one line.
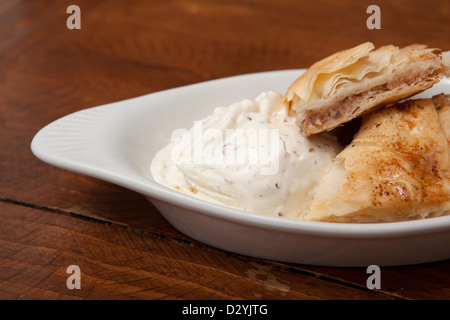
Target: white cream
[[250, 155]]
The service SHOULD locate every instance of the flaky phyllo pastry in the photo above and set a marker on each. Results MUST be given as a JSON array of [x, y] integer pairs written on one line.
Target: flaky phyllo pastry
[[396, 168], [359, 80]]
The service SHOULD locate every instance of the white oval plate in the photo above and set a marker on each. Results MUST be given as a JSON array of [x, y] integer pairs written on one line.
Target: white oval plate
[[116, 142]]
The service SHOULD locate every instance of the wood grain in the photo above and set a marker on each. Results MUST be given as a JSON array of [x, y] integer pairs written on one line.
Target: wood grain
[[51, 218], [37, 247]]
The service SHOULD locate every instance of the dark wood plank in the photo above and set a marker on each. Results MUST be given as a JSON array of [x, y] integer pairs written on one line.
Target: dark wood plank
[[428, 281], [126, 49], [115, 263]]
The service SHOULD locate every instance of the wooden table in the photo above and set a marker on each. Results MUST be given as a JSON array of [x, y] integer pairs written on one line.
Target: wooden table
[[51, 219]]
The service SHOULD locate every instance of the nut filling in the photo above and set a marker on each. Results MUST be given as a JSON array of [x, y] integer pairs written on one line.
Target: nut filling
[[347, 108]]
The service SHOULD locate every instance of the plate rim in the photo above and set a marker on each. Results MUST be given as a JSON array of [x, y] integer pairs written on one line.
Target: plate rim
[[153, 189]]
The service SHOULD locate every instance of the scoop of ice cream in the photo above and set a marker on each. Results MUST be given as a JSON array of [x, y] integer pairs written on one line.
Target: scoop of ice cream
[[250, 155]]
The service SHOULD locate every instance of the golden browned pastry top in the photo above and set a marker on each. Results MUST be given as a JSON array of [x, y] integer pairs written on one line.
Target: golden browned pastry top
[[354, 82], [396, 168]]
